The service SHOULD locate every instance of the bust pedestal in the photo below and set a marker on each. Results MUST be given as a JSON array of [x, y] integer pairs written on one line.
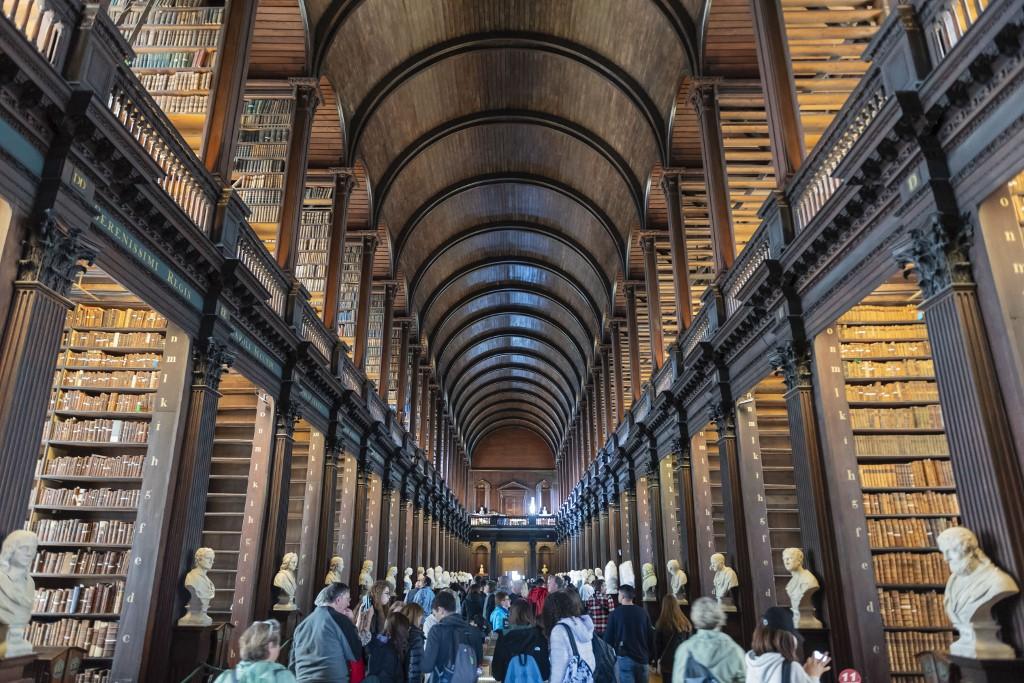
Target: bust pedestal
[[192, 646], [17, 669], [58, 664]]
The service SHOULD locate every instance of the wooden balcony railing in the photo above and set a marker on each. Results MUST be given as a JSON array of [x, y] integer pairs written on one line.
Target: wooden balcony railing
[[946, 21], [254, 256], [185, 179], [47, 24], [314, 331]]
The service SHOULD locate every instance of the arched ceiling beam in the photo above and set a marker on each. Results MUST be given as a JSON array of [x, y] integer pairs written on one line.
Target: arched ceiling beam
[[584, 294], [526, 287], [509, 226], [445, 343], [508, 421], [512, 178], [515, 406], [475, 374], [514, 116], [516, 383], [522, 373], [579, 364], [518, 351], [504, 40]]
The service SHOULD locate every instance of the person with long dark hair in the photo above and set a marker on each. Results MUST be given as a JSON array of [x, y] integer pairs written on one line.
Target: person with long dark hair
[[521, 636], [773, 655], [671, 629], [380, 596], [417, 641], [387, 651]]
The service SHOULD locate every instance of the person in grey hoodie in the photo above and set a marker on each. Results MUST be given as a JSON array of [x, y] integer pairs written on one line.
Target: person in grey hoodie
[[709, 646], [562, 612], [776, 642]]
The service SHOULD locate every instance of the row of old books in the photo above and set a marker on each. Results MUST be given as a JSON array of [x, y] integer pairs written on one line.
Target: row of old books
[[101, 532], [195, 59], [81, 562], [97, 637], [104, 402], [86, 497], [259, 181], [887, 349], [869, 313], [114, 340], [911, 503], [173, 17], [904, 647], [901, 444], [99, 598], [98, 431], [916, 390], [259, 166], [262, 150], [157, 37], [94, 465], [101, 316], [862, 333], [177, 81], [901, 609], [100, 359], [925, 569], [913, 417], [109, 380], [910, 532], [910, 367], [916, 474], [255, 196]]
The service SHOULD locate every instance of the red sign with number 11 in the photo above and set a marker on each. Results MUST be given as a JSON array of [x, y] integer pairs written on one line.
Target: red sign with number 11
[[849, 676]]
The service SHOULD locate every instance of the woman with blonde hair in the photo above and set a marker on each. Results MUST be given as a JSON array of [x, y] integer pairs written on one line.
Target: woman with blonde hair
[[259, 647]]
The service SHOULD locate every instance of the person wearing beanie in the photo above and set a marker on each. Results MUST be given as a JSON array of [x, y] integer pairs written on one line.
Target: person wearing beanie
[[773, 654]]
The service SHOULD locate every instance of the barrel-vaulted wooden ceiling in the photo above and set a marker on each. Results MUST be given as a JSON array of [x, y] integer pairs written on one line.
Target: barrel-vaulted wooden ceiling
[[509, 146]]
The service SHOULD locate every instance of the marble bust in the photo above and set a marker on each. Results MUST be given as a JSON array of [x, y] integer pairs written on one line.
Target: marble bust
[[677, 579], [611, 578], [334, 570], [429, 573], [439, 576], [200, 590], [407, 579], [725, 580], [974, 587], [392, 578], [800, 589], [446, 578], [598, 573], [366, 575], [17, 592], [650, 582], [285, 583], [626, 575]]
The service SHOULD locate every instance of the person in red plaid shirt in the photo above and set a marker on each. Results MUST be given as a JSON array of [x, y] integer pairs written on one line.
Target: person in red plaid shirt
[[599, 607]]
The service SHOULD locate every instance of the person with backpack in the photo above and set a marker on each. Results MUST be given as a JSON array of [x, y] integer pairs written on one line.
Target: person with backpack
[[521, 653], [500, 613], [417, 641], [773, 654], [708, 656], [387, 651], [473, 606], [259, 648], [671, 629], [631, 634], [454, 648], [576, 656]]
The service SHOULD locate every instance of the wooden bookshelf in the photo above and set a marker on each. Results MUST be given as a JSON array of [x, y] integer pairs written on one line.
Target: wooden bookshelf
[[710, 440], [314, 238], [904, 469], [297, 487], [348, 299], [89, 474], [261, 157], [375, 335], [175, 44]]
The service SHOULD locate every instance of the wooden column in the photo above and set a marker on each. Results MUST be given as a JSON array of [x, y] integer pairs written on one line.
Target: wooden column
[[384, 378], [824, 555], [31, 339], [401, 402], [985, 465], [776, 69], [328, 505], [418, 419], [631, 529], [604, 551], [724, 416], [677, 241], [307, 98], [600, 425], [276, 521], [431, 446], [404, 542], [309, 572], [647, 244], [606, 389], [344, 183], [633, 337], [384, 534], [359, 517], [704, 533], [723, 242], [417, 535], [653, 475], [363, 309], [750, 480], [620, 388], [428, 535], [224, 108], [687, 522]]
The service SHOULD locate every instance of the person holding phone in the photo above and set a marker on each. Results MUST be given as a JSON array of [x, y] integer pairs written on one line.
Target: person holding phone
[[773, 654]]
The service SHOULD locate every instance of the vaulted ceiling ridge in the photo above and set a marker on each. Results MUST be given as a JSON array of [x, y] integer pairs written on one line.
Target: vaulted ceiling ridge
[[455, 350], [503, 403], [515, 389], [577, 370], [541, 360], [514, 371]]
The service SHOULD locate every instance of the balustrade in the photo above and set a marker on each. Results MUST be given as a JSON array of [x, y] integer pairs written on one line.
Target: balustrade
[[46, 24]]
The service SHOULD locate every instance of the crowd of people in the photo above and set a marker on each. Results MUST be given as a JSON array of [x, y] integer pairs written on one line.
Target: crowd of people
[[548, 629]]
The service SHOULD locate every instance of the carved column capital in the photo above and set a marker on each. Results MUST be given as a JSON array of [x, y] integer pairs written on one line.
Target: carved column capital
[[670, 181], [287, 416], [210, 358], [793, 362], [647, 243], [723, 415], [370, 243], [307, 93], [344, 180], [939, 253], [51, 256]]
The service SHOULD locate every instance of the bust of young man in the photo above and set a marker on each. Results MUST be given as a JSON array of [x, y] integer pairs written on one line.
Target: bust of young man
[[800, 589], [200, 590], [725, 580], [285, 582]]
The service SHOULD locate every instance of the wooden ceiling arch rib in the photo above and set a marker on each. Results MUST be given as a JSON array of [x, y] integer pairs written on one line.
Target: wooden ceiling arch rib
[[521, 371], [536, 360], [500, 403], [517, 387], [522, 343]]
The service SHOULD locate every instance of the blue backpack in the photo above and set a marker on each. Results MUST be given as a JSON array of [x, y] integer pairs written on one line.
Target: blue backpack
[[523, 669], [697, 672]]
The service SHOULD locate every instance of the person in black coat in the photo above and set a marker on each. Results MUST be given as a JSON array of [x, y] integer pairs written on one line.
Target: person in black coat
[[521, 636], [473, 607], [417, 642], [387, 650]]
